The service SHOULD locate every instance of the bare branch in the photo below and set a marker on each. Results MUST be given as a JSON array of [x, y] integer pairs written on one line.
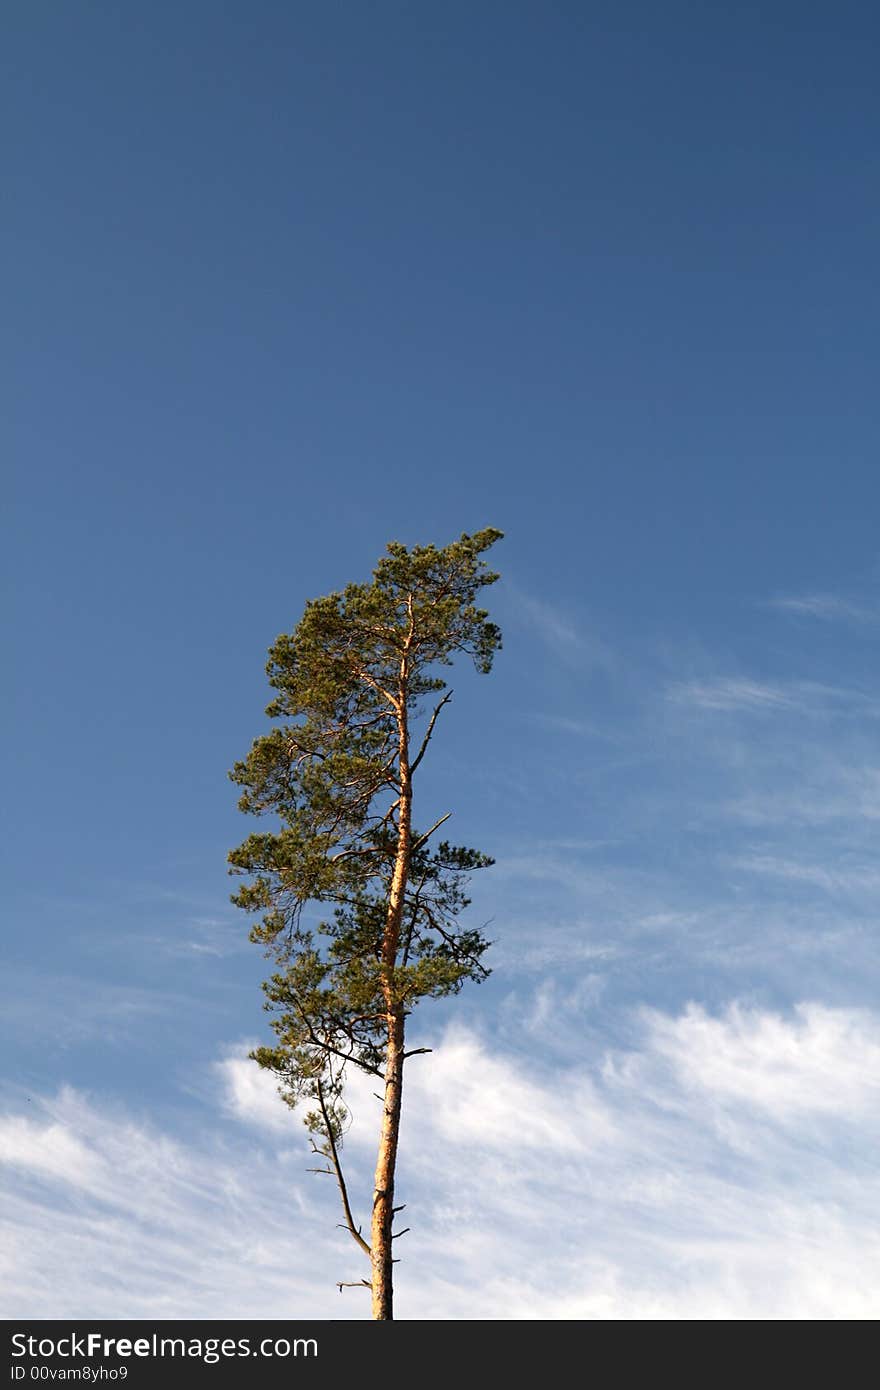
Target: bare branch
[[430, 729], [329, 1048], [343, 1191], [416, 1052], [428, 833], [379, 689]]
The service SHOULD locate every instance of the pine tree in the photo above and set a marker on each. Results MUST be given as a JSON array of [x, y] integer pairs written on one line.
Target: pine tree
[[336, 774]]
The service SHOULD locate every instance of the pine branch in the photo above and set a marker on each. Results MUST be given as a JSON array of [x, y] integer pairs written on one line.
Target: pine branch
[[329, 1048], [428, 833], [427, 739], [343, 1190]]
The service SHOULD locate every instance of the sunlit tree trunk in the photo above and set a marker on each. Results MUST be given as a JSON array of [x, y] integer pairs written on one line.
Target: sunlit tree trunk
[[386, 1161]]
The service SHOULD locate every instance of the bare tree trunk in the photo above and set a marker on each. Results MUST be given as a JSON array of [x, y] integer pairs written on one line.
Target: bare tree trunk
[[383, 1196], [386, 1161]]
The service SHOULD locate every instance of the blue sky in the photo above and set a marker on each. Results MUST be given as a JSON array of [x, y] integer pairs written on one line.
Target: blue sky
[[286, 283]]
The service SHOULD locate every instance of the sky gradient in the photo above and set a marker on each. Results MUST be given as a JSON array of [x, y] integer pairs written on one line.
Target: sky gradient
[[285, 283]]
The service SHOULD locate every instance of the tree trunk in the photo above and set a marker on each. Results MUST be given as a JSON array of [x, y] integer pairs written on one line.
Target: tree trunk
[[383, 1196], [386, 1161]]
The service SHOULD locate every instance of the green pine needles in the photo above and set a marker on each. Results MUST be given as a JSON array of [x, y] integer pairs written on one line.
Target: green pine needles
[[358, 906]]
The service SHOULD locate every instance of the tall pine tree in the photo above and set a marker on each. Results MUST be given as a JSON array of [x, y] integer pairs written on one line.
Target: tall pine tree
[[336, 774]]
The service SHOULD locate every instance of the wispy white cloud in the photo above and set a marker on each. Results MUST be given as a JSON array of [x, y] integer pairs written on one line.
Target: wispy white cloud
[[721, 1166], [831, 877], [580, 728], [729, 693], [818, 1060], [468, 1096], [81, 1011], [825, 607], [803, 697], [51, 1150], [105, 1214], [209, 936], [249, 1093], [823, 790], [569, 640]]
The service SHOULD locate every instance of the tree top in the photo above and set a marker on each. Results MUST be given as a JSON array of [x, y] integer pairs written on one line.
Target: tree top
[[381, 637]]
